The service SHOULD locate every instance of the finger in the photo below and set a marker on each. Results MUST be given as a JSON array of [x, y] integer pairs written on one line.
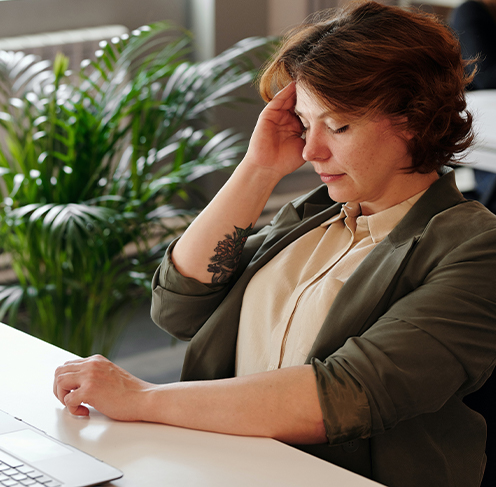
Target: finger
[[284, 99], [75, 362], [79, 411], [287, 91], [71, 366], [59, 372], [73, 402], [65, 383], [75, 365]]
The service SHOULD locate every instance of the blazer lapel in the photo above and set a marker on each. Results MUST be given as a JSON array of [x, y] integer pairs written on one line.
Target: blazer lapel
[[280, 236], [362, 299], [353, 309]]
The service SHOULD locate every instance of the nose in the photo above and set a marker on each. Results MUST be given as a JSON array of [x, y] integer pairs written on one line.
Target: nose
[[316, 147]]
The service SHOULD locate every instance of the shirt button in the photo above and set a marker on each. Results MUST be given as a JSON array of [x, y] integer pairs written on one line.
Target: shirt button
[[351, 446], [272, 367]]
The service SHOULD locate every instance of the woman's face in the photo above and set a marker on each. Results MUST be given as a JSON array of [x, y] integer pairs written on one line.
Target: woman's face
[[361, 161]]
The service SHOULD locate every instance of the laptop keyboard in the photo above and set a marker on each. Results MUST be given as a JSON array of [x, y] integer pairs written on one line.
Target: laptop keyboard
[[14, 473]]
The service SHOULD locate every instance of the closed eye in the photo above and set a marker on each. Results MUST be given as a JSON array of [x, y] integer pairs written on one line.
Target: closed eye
[[342, 129]]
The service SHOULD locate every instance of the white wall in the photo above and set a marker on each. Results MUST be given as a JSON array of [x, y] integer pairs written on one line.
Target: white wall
[[218, 23], [284, 14], [21, 17]]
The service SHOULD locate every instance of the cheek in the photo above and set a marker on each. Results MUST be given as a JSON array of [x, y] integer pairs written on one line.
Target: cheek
[[378, 149], [357, 156], [393, 142]]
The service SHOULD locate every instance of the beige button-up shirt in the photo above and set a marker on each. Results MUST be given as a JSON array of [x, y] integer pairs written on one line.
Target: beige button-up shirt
[[286, 302]]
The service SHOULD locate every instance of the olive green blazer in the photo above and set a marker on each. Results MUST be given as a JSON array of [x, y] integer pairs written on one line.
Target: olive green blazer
[[411, 332]]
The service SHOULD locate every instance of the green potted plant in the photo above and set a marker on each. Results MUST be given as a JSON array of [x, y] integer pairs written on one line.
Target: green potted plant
[[95, 174]]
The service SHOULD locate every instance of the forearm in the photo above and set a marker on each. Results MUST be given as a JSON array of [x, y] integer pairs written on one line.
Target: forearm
[[281, 404], [275, 150], [237, 205]]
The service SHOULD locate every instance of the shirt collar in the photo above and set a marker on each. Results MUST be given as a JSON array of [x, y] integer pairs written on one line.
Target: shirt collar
[[379, 224]]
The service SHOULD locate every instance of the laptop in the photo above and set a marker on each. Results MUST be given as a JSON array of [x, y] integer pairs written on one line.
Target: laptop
[[29, 457]]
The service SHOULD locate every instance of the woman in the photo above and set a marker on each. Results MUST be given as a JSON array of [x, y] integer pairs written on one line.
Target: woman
[[351, 330]]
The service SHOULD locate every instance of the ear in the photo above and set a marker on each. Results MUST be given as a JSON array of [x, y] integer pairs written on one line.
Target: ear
[[407, 135], [402, 126]]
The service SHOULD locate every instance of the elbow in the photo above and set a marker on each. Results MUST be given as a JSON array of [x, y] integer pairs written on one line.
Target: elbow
[[309, 430]]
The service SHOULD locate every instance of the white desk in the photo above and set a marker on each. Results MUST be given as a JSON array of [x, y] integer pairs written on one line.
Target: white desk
[[482, 105], [150, 454]]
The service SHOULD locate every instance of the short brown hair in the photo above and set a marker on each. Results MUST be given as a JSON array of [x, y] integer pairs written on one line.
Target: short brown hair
[[367, 59]]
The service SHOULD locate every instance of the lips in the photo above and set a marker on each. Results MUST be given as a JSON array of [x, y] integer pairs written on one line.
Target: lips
[[330, 178]]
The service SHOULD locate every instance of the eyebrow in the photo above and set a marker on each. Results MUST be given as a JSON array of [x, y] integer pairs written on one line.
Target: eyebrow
[[319, 117]]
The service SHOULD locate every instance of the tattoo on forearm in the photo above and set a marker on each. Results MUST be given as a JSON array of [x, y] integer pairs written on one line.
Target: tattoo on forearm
[[228, 254]]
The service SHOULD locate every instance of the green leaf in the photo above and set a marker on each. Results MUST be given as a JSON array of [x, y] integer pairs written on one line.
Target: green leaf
[[95, 168], [10, 300]]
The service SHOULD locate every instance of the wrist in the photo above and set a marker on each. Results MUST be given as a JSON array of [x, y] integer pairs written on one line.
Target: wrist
[[147, 403], [262, 178]]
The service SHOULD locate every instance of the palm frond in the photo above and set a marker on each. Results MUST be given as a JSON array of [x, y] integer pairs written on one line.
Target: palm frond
[[11, 298], [21, 73], [95, 168]]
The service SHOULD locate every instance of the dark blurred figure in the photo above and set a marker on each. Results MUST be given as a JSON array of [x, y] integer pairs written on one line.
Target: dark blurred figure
[[475, 23]]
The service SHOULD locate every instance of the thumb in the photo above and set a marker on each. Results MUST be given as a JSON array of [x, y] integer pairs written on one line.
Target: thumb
[[74, 405]]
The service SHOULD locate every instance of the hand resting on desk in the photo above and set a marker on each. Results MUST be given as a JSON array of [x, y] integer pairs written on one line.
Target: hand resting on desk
[[281, 404], [100, 383]]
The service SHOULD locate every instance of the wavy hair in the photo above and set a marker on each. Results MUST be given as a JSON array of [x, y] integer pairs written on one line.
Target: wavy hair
[[369, 59]]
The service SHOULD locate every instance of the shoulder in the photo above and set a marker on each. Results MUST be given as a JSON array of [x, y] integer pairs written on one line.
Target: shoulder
[[467, 219], [461, 240], [442, 220]]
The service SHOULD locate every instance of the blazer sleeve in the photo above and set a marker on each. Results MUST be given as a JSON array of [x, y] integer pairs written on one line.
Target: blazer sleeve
[[181, 305], [437, 341]]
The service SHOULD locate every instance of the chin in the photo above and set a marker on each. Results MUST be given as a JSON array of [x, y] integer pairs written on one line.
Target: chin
[[338, 196]]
